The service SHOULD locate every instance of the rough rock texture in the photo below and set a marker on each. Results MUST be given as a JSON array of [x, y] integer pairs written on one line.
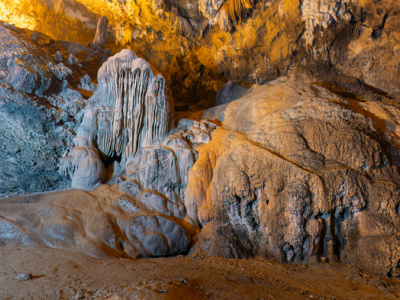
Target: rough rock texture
[[30, 140], [40, 108], [200, 45], [132, 108], [105, 223], [297, 173], [322, 14], [101, 33], [231, 91], [289, 171], [293, 172]]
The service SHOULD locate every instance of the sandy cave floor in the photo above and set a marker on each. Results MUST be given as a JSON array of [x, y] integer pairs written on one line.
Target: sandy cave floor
[[60, 274]]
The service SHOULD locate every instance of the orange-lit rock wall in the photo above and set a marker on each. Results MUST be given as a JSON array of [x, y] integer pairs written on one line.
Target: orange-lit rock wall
[[199, 45]]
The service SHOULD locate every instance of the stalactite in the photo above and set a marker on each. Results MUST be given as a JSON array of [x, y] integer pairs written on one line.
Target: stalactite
[[232, 11]]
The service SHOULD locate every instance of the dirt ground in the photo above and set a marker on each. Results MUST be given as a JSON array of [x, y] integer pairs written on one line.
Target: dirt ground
[[60, 274]]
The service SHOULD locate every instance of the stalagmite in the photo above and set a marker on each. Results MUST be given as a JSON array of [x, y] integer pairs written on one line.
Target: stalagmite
[[132, 108], [83, 163]]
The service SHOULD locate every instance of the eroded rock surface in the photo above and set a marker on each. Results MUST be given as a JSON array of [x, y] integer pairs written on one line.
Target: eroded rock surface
[[41, 107], [165, 168], [30, 139], [230, 92], [292, 172], [101, 33], [104, 223], [296, 174]]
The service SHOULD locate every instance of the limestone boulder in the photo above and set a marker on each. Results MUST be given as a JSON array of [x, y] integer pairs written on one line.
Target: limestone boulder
[[163, 170], [296, 173], [84, 166]]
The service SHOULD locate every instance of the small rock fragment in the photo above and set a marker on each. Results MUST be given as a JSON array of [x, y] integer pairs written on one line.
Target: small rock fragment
[[304, 266], [58, 56], [230, 92], [366, 276], [72, 59], [24, 276], [118, 180], [324, 259]]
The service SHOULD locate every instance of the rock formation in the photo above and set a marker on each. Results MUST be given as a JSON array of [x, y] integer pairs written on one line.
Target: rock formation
[[323, 14], [100, 38], [104, 223], [302, 167], [30, 140], [131, 109], [200, 45], [83, 164], [141, 106], [294, 174], [165, 168], [231, 91], [40, 107]]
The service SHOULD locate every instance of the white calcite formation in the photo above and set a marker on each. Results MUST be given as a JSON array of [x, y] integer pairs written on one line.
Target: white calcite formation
[[164, 169], [132, 108], [83, 164]]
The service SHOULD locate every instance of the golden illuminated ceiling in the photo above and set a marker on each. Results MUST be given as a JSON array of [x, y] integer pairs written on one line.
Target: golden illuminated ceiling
[[196, 47], [176, 39], [53, 17], [139, 22], [11, 11], [47, 17]]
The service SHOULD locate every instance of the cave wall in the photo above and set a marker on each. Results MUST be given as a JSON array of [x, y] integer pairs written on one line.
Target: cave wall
[[326, 188], [200, 45]]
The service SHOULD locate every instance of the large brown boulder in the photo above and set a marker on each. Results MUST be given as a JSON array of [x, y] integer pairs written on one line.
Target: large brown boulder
[[297, 173]]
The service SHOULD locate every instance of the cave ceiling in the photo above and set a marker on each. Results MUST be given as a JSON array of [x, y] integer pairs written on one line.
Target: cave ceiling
[[200, 45]]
